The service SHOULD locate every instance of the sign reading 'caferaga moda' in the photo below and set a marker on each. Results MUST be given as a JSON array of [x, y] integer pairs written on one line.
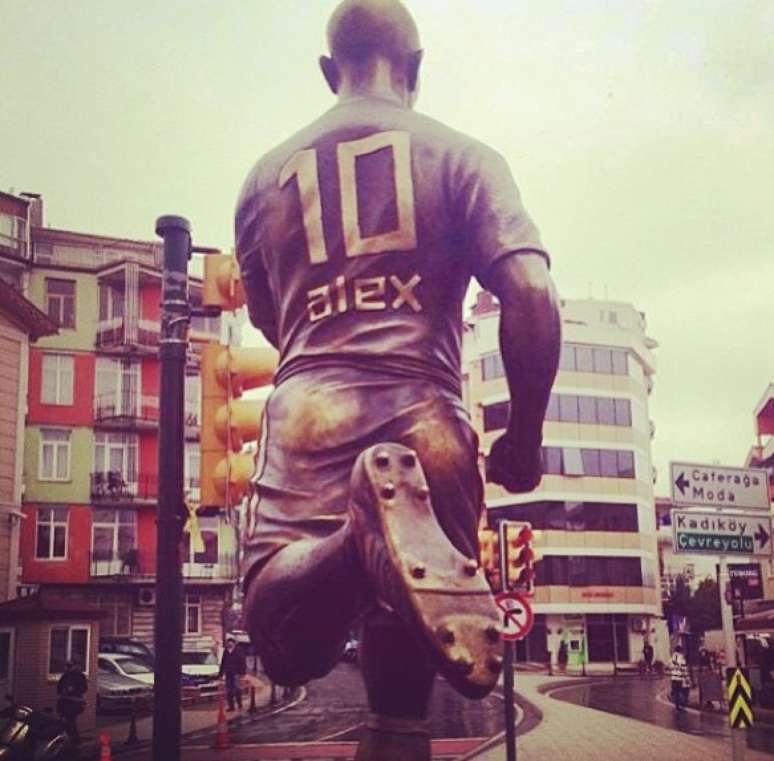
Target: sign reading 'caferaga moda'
[[718, 486], [703, 533]]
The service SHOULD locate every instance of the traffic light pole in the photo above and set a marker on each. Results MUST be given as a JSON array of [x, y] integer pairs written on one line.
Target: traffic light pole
[[176, 232], [508, 660]]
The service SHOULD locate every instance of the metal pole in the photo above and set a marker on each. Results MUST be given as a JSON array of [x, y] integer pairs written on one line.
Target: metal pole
[[738, 736], [508, 660], [176, 232]]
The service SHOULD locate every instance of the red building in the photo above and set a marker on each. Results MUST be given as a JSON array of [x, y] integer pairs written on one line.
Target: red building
[[91, 455]]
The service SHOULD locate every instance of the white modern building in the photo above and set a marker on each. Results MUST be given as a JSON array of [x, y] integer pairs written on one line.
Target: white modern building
[[597, 587]]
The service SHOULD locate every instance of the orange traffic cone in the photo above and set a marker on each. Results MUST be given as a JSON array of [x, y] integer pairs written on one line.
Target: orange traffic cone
[[221, 733], [104, 753]]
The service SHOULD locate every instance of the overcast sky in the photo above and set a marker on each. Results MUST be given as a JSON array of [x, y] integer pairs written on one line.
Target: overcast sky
[[641, 135]]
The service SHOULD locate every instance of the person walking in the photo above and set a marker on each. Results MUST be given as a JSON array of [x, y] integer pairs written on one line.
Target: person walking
[[680, 679], [233, 667], [647, 656], [357, 238], [71, 689]]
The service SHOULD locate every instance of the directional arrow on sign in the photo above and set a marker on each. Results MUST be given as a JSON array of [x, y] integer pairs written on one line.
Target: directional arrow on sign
[[682, 483], [761, 536]]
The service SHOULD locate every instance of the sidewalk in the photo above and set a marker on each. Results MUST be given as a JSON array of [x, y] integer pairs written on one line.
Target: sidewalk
[[194, 718], [568, 731]]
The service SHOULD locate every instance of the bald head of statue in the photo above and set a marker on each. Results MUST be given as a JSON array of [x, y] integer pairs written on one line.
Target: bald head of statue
[[374, 45]]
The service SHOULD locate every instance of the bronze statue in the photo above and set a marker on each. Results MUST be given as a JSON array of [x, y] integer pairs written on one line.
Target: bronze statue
[[357, 239]]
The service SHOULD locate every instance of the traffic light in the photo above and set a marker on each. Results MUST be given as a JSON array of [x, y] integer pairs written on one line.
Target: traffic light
[[229, 422], [489, 557], [520, 556], [222, 284]]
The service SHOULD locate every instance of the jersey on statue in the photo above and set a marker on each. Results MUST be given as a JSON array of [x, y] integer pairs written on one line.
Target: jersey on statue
[[357, 239]]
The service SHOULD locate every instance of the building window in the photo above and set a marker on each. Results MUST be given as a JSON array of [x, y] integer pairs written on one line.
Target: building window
[[208, 526], [554, 515], [68, 643], [590, 571], [193, 401], [192, 469], [593, 359], [113, 538], [193, 614], [111, 302], [117, 620], [51, 533], [54, 463], [60, 301], [57, 379], [496, 416], [117, 388], [570, 461], [492, 367], [115, 462]]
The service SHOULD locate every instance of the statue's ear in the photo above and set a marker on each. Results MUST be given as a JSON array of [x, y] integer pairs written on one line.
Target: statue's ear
[[331, 73], [412, 70]]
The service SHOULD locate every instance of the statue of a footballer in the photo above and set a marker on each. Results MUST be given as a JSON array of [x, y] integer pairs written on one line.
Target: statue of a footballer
[[357, 239]]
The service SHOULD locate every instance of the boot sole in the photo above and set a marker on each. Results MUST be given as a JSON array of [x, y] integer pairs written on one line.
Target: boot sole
[[439, 592]]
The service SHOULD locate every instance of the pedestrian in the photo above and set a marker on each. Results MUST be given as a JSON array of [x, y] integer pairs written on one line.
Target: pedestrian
[[71, 689], [562, 656], [680, 679], [647, 656], [233, 667], [357, 239]]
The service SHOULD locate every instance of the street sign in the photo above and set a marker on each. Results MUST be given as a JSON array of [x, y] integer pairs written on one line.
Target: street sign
[[517, 615], [740, 713], [697, 532], [718, 486], [746, 581]]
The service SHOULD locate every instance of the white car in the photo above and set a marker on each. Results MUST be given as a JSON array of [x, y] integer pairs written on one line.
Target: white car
[[199, 666], [125, 665]]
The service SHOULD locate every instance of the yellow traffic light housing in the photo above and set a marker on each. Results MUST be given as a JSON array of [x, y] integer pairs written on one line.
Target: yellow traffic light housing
[[229, 422], [519, 556], [489, 557], [222, 284]]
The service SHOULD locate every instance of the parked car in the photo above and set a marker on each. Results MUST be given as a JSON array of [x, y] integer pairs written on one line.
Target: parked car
[[119, 694], [199, 666], [127, 646], [126, 665]]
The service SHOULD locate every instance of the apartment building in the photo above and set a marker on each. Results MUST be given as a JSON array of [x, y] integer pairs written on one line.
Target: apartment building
[[597, 587], [91, 452]]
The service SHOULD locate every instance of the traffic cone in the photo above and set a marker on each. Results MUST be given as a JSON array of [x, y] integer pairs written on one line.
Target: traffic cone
[[104, 753], [221, 732]]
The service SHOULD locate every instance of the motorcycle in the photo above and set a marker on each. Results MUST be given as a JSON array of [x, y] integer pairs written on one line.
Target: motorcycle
[[30, 735]]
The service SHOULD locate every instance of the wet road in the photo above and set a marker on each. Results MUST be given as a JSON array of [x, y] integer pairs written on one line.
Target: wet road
[[645, 699], [334, 708]]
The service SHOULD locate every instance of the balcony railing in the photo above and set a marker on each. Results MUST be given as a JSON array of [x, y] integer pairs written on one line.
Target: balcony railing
[[15, 247], [122, 333], [137, 562], [94, 258], [127, 406], [133, 562], [115, 487]]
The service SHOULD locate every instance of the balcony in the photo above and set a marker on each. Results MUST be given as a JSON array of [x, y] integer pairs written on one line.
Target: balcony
[[129, 564], [14, 247], [132, 566], [119, 411], [122, 335], [115, 489], [93, 257]]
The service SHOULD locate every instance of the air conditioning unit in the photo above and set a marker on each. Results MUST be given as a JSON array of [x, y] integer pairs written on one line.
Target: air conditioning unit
[[638, 624], [146, 596]]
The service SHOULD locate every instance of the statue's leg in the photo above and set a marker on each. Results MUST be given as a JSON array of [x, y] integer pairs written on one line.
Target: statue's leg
[[399, 680], [439, 593], [300, 606]]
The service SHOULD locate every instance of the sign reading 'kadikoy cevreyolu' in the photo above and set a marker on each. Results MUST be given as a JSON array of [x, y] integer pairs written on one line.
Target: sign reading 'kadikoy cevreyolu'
[[702, 533], [718, 486]]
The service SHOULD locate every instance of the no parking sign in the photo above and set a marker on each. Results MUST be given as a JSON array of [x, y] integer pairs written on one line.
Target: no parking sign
[[517, 615]]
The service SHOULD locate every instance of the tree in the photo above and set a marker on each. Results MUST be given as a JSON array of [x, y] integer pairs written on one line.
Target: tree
[[700, 607]]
